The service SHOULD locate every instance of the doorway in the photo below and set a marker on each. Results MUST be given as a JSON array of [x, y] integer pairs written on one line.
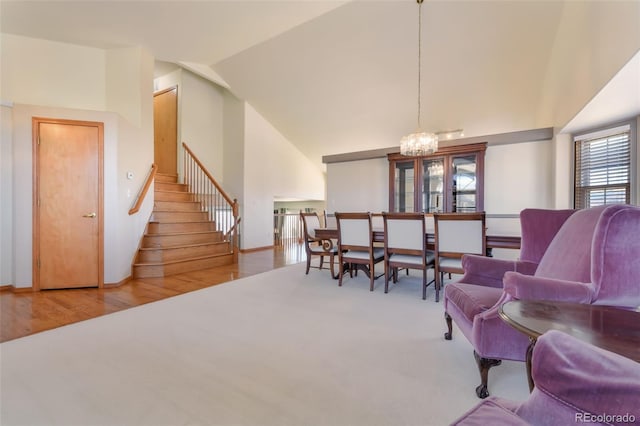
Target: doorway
[[68, 204], [165, 131]]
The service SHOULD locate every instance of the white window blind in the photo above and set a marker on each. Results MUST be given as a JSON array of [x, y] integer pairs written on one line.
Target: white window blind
[[602, 168]]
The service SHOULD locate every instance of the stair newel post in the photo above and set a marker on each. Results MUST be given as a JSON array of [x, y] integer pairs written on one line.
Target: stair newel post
[[211, 207], [197, 183], [236, 243]]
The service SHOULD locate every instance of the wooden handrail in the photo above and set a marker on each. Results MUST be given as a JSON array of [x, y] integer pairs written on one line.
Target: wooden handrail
[[206, 172], [221, 209], [144, 190], [233, 228]]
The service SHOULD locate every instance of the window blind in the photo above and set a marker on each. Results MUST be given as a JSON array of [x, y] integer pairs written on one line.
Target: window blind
[[602, 169]]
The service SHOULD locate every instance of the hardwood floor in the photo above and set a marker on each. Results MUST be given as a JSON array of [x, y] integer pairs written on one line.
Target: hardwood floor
[[22, 314]]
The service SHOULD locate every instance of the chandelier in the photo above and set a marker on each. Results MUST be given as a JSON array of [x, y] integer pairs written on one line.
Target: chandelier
[[419, 142]]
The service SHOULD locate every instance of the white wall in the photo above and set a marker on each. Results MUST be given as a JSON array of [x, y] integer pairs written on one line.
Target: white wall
[[637, 156], [595, 39], [6, 196], [127, 86], [358, 186], [273, 167], [563, 171], [131, 69], [518, 176], [201, 122], [233, 155], [72, 84], [42, 72]]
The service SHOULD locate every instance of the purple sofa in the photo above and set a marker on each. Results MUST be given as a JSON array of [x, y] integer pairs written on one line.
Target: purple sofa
[[584, 256], [575, 383]]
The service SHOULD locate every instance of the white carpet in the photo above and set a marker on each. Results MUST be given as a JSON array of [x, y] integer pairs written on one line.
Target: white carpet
[[279, 348]]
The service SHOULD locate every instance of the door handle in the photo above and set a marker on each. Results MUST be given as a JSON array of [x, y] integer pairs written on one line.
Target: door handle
[[92, 215]]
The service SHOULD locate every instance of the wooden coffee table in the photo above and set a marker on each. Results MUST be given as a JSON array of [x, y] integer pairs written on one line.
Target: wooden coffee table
[[614, 329]]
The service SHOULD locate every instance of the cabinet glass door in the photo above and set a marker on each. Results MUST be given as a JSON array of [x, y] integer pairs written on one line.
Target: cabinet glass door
[[433, 185], [464, 183], [404, 184]]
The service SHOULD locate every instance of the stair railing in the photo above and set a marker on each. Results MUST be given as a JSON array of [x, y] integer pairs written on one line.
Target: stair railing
[[145, 188], [287, 228], [222, 210]]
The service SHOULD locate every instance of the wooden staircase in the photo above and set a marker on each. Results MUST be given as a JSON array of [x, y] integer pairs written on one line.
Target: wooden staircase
[[179, 236]]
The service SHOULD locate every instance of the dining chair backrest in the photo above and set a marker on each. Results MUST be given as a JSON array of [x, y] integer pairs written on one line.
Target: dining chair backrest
[[310, 222], [376, 221], [405, 231], [405, 247], [354, 230], [429, 223], [314, 246], [330, 220], [460, 233]]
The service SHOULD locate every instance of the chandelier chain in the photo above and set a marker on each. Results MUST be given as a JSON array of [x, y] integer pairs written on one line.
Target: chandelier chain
[[419, 58], [419, 142]]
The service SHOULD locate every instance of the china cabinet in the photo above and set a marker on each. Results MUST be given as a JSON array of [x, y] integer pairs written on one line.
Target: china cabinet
[[449, 180]]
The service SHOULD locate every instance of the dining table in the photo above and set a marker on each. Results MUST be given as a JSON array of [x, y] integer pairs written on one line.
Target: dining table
[[493, 241]]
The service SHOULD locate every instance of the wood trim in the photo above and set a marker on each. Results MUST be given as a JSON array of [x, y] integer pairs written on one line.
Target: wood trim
[[13, 289], [119, 283], [532, 135], [444, 150], [143, 193], [251, 250], [35, 134], [168, 89], [35, 222]]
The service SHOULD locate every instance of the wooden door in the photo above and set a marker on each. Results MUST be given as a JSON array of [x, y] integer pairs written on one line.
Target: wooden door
[[68, 211], [165, 130]]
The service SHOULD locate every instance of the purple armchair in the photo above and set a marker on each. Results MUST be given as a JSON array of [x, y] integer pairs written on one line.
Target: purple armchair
[[586, 256], [575, 383]]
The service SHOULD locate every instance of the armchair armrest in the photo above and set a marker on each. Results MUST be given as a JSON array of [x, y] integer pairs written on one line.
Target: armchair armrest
[[326, 243], [488, 271], [572, 378], [527, 287]]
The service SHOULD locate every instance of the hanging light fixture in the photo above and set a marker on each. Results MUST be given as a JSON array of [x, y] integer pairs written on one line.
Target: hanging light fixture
[[419, 143]]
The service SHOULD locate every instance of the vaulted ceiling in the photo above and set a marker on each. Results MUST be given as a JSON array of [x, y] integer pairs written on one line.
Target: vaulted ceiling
[[332, 76]]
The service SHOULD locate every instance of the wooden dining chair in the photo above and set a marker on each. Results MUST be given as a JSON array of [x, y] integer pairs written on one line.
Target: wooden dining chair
[[405, 247], [316, 246], [329, 220], [355, 245], [457, 234]]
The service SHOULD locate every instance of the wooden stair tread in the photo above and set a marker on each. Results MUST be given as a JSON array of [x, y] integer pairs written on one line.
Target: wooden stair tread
[[179, 211], [193, 221], [180, 237], [164, 234], [184, 246], [191, 259]]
